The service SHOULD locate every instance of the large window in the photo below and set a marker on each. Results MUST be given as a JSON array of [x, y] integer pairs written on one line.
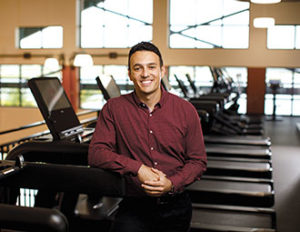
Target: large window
[[209, 24], [90, 95], [284, 37], [115, 23], [287, 96], [13, 84], [203, 79], [41, 37]]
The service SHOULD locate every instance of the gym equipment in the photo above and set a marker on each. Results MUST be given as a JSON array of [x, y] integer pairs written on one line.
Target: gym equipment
[[232, 192], [69, 181], [220, 218], [20, 218], [57, 110]]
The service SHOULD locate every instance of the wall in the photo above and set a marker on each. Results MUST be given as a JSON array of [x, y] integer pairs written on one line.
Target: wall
[[15, 13]]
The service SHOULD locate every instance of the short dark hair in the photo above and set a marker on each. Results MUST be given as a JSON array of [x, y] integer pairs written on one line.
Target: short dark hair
[[145, 46]]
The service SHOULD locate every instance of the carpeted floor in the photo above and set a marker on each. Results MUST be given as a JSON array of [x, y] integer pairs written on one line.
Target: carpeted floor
[[286, 171]]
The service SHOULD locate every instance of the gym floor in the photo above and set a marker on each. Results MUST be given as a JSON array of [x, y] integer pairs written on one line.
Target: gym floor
[[285, 147]]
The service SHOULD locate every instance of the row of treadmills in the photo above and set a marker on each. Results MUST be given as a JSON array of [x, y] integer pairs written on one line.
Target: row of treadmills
[[235, 194]]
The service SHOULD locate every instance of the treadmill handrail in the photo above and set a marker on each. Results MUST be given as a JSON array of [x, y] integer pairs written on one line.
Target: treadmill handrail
[[67, 178], [32, 219]]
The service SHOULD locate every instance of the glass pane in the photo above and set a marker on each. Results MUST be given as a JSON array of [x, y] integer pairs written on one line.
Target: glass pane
[[30, 71], [90, 95], [201, 24], [283, 104], [9, 73], [120, 74], [32, 41], [88, 74], [296, 106], [103, 24], [235, 37], [281, 37], [91, 99], [203, 79], [239, 76], [27, 98], [10, 97], [242, 102], [41, 37], [268, 104], [52, 37], [297, 37], [210, 35], [238, 16]]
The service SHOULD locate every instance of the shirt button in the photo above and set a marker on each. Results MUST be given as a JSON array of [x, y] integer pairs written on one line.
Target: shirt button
[[155, 163], [150, 115], [151, 131], [151, 148]]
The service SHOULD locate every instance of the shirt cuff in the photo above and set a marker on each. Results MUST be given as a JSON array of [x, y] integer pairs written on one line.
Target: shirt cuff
[[176, 184], [134, 167]]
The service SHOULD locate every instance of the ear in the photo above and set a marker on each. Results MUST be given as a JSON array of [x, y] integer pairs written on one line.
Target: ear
[[129, 74], [162, 72]]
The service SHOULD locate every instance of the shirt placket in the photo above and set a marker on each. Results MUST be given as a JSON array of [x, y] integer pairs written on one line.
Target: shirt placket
[[152, 142]]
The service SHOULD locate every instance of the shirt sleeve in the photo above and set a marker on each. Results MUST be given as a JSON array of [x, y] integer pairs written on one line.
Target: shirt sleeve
[[195, 157], [103, 147]]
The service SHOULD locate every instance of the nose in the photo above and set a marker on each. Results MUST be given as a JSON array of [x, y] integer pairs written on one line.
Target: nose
[[145, 72]]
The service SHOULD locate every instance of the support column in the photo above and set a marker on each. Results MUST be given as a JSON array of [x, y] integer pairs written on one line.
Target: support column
[[70, 82], [256, 90]]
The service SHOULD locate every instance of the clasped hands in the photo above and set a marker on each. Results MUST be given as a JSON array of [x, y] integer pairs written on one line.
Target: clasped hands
[[154, 182]]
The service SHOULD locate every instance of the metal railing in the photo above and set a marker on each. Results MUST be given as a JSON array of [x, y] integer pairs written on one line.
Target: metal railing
[[27, 196], [6, 147]]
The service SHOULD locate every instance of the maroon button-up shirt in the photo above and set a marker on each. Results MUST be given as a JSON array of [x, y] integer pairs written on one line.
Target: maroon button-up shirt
[[169, 139]]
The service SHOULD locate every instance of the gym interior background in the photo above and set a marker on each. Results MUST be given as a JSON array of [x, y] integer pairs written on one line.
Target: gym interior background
[[192, 36]]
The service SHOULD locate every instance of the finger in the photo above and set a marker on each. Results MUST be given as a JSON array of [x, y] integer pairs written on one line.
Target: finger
[[158, 172], [153, 183], [152, 188]]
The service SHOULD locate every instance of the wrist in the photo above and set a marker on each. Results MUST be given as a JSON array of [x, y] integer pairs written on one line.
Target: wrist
[[172, 190]]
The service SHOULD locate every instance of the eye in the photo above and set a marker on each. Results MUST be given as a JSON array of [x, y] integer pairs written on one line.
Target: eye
[[136, 68]]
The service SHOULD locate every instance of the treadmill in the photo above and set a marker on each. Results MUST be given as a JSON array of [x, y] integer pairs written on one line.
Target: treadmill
[[14, 217], [233, 138], [225, 218], [77, 180], [57, 110]]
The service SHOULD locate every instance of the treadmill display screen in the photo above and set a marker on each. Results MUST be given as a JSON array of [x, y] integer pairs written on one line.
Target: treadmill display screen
[[53, 95], [55, 107]]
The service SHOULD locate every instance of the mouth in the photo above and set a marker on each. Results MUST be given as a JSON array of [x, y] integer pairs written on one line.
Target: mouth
[[146, 82]]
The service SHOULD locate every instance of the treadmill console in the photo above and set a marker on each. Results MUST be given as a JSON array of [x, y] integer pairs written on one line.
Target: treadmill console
[[55, 107]]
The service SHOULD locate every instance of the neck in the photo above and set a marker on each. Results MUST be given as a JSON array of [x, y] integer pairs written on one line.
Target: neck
[[150, 99]]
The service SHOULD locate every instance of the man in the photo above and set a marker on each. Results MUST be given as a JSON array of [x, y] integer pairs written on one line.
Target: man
[[155, 140]]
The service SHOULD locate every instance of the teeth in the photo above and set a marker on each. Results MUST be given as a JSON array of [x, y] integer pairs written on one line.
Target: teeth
[[146, 82]]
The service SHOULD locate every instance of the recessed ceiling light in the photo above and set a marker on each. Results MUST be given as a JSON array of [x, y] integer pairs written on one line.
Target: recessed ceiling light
[[265, 1], [263, 22]]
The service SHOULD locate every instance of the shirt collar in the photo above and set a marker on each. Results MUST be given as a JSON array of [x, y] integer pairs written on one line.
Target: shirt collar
[[161, 102]]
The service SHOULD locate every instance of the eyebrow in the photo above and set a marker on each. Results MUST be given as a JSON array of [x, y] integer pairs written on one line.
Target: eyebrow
[[139, 64]]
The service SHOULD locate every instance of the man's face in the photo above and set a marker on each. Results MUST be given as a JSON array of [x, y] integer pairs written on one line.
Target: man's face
[[145, 72]]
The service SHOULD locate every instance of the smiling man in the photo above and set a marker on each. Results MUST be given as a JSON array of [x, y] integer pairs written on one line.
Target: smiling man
[[155, 140]]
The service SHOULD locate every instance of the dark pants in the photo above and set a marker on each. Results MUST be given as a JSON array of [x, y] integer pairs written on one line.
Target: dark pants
[[165, 214]]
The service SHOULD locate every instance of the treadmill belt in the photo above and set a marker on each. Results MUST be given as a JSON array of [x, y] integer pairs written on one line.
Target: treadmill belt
[[239, 168], [242, 219], [238, 151], [242, 140], [230, 192]]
